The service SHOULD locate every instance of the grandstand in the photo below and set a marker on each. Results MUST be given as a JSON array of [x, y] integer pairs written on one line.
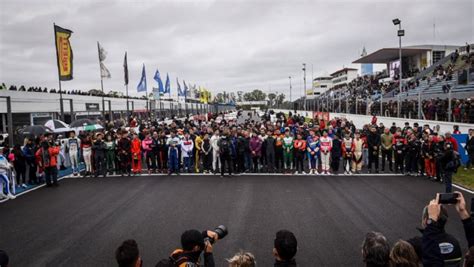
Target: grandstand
[[450, 76]]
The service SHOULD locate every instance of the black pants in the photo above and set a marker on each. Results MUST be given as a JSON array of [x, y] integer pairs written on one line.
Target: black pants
[[150, 160], [33, 179], [335, 164], [387, 155], [241, 163], [399, 162], [125, 164], [51, 175], [411, 163], [270, 161], [255, 160], [99, 164], [279, 160], [226, 161], [373, 158], [20, 174], [299, 157], [207, 161]]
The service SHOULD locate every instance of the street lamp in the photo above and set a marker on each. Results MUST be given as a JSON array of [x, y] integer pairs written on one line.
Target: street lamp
[[400, 33], [304, 87]]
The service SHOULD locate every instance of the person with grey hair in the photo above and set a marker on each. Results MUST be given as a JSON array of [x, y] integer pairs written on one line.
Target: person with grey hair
[[375, 250]]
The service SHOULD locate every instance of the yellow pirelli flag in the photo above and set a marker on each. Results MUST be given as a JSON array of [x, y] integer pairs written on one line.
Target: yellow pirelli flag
[[63, 53]]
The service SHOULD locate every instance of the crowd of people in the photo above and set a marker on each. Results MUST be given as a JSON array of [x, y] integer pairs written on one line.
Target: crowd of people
[[362, 95], [271, 143], [434, 248], [38, 89]]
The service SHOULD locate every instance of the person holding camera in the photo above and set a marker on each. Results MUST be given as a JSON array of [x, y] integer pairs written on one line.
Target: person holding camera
[[47, 160], [433, 253], [194, 243]]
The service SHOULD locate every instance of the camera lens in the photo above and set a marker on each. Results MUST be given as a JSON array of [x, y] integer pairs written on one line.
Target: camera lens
[[221, 231]]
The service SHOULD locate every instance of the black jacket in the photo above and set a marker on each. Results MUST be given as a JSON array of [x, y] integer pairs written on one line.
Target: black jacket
[[289, 263], [469, 230], [373, 139], [439, 248]]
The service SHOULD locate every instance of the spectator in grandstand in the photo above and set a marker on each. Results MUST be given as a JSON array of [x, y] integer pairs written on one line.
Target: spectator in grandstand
[[4, 260], [375, 250], [128, 255], [403, 255], [242, 259], [284, 249]]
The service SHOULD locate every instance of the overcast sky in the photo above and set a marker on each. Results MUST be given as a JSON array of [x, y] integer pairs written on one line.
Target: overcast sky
[[223, 45]]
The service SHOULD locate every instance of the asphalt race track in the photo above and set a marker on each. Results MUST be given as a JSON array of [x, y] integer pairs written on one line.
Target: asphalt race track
[[84, 220]]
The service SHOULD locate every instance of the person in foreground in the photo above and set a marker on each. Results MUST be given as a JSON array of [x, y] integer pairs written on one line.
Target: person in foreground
[[432, 251], [242, 259], [375, 250], [128, 255], [285, 248], [193, 244]]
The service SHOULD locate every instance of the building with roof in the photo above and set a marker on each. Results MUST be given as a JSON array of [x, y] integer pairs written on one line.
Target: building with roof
[[414, 58], [343, 76]]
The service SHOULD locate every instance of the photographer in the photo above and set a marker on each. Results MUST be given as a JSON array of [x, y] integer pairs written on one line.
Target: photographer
[[193, 244], [438, 247]]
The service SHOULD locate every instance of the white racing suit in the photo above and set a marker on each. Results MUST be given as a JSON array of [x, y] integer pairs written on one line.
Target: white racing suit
[[87, 155], [215, 152], [325, 144], [73, 145], [6, 178]]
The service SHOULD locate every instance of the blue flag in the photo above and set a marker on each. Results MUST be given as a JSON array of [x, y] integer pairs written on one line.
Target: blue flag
[[186, 90], [167, 85], [180, 93], [142, 85], [157, 78]]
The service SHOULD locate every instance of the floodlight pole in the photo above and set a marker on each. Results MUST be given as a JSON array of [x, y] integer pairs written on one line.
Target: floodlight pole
[[400, 33], [304, 86], [289, 77]]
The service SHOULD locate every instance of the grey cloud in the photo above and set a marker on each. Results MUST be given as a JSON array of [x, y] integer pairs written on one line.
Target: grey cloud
[[224, 45]]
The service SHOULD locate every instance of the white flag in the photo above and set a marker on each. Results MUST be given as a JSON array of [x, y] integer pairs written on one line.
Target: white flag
[[102, 53], [104, 72]]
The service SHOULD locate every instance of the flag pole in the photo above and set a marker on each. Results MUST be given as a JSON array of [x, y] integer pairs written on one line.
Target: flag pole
[[61, 107], [126, 84], [101, 82]]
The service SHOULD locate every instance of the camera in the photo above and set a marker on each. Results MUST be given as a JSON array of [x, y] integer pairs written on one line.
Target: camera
[[448, 198], [221, 232]]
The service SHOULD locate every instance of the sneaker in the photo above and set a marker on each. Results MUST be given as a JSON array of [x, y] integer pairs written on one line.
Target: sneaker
[[10, 196], [24, 186]]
